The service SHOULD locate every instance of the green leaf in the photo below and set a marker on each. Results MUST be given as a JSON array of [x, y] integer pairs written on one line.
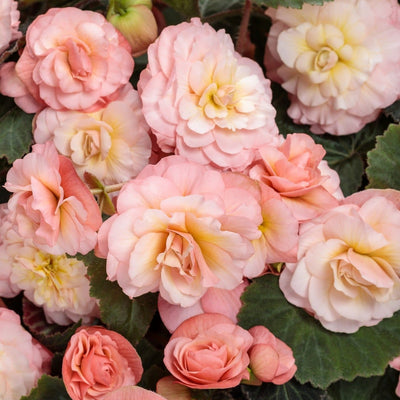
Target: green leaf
[[15, 133], [48, 388], [384, 160], [210, 7], [289, 391], [188, 8], [289, 3], [130, 318], [322, 357], [373, 388]]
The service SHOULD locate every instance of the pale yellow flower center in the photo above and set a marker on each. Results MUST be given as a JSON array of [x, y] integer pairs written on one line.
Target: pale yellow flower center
[[217, 100], [325, 59]]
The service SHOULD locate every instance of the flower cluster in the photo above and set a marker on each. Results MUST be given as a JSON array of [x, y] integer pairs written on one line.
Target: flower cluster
[[186, 192]]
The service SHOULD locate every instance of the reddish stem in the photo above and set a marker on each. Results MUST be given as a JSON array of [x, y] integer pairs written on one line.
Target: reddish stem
[[244, 24]]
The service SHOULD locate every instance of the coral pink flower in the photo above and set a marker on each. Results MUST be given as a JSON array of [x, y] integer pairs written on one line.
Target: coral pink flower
[[50, 204], [133, 393], [339, 61], [203, 100], [296, 171], [98, 361], [23, 359], [179, 230], [112, 143], [69, 60], [9, 23], [208, 351], [172, 390], [271, 360], [347, 274], [215, 300]]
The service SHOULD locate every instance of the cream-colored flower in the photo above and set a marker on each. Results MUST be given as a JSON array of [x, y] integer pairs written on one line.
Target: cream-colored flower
[[339, 61]]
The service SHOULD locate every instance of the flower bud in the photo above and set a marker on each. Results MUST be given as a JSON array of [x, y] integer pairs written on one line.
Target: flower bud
[[135, 20]]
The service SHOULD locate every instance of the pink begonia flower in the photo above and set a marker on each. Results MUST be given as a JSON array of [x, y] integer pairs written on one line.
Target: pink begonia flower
[[58, 284], [133, 393], [179, 230], [214, 300], [208, 351], [23, 359], [9, 23], [203, 100], [395, 363], [112, 143], [50, 203], [271, 360], [68, 62], [347, 274], [339, 62], [98, 361], [295, 169]]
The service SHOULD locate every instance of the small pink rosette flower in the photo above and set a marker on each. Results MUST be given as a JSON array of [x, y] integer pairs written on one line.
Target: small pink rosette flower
[[271, 360], [98, 361], [69, 62], [339, 62], [203, 100], [208, 351], [50, 203], [347, 273], [297, 172], [23, 359], [179, 229], [9, 23], [112, 143]]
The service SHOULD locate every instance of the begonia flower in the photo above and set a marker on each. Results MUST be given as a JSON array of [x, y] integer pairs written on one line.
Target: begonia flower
[[297, 172], [133, 393], [69, 61], [339, 62], [271, 360], [23, 359], [395, 364], [179, 230], [347, 273], [50, 203], [98, 361], [9, 23], [112, 143], [208, 351], [203, 100]]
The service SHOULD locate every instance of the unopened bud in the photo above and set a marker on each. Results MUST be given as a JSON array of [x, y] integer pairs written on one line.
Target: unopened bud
[[135, 20]]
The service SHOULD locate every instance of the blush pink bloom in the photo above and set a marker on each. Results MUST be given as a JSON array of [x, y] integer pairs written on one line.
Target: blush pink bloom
[[203, 100], [133, 393], [98, 361], [271, 360], [208, 351], [9, 23], [69, 61], [112, 143], [179, 229], [23, 359], [296, 170], [214, 300], [50, 204], [339, 61], [347, 274], [395, 363]]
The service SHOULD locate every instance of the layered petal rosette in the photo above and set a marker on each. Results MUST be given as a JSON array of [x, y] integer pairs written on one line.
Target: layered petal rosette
[[179, 230], [297, 172], [203, 100], [69, 61], [112, 143], [339, 61], [348, 269], [9, 23], [50, 203], [23, 359]]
